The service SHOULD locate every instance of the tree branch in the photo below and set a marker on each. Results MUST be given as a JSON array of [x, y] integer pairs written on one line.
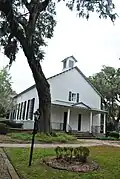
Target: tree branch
[[10, 37], [43, 5], [34, 13], [27, 5], [117, 100], [35, 8], [23, 22], [17, 31]]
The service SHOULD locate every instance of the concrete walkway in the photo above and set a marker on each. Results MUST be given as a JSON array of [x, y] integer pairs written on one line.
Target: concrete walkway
[[100, 142], [4, 173], [45, 145], [7, 171], [83, 142]]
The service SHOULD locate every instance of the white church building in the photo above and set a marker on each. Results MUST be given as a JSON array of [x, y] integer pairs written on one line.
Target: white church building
[[76, 104]]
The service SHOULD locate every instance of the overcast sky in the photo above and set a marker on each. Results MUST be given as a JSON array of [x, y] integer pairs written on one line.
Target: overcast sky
[[93, 43]]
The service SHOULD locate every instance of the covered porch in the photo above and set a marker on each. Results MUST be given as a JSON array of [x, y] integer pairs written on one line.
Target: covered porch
[[77, 118]]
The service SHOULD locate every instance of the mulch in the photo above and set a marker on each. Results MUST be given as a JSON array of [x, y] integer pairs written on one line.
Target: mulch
[[74, 166]]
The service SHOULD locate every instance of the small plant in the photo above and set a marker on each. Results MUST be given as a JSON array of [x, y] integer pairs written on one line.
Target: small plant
[[85, 154], [81, 154], [76, 152], [86, 151], [3, 128], [59, 152], [65, 149], [68, 153], [71, 152]]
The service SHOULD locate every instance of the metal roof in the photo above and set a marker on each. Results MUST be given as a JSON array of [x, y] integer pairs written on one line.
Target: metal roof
[[71, 104], [70, 57], [79, 105]]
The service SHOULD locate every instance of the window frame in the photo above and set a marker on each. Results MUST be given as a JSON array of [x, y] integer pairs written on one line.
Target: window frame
[[74, 97]]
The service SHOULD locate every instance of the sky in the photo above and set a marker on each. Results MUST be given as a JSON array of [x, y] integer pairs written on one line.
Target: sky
[[93, 43]]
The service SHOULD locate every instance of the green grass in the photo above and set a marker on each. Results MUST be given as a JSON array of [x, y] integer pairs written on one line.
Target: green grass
[[41, 137], [107, 157], [21, 136], [108, 138]]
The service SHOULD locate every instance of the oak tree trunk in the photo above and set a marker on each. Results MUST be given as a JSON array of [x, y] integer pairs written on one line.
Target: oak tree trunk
[[25, 35], [43, 90]]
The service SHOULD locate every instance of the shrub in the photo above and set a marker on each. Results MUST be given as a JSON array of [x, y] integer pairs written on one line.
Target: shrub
[[3, 128], [68, 153], [110, 126], [12, 124], [55, 137], [114, 134], [42, 137], [107, 138], [81, 153], [53, 134], [107, 133], [59, 152]]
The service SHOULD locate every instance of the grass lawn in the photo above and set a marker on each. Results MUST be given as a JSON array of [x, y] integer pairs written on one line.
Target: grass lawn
[[108, 138], [107, 157], [58, 138]]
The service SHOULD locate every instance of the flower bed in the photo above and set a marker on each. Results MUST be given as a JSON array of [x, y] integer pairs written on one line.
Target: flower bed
[[72, 159], [74, 165]]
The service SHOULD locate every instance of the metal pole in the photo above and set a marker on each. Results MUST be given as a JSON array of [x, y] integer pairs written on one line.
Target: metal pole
[[35, 129], [32, 144]]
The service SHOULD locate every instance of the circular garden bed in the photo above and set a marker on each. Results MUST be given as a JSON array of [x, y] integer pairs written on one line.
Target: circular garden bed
[[72, 160]]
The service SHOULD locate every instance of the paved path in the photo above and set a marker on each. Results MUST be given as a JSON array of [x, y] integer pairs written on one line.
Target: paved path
[[4, 173], [7, 171], [83, 142], [46, 145], [100, 142]]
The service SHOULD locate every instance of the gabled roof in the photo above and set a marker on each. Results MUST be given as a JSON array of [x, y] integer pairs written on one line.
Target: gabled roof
[[81, 104], [82, 76], [71, 104], [70, 57], [33, 86], [89, 82], [28, 89]]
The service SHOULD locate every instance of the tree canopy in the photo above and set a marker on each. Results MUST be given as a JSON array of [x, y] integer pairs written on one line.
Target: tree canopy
[[17, 25], [6, 92], [19, 22], [107, 82]]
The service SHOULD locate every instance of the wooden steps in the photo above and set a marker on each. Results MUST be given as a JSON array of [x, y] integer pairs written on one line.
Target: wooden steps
[[83, 135]]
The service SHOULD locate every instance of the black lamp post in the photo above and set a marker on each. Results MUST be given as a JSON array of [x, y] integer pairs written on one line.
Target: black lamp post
[[35, 129]]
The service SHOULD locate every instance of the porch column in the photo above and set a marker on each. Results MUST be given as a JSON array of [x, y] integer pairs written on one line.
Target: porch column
[[16, 113], [68, 120], [91, 121], [10, 114], [104, 125]]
